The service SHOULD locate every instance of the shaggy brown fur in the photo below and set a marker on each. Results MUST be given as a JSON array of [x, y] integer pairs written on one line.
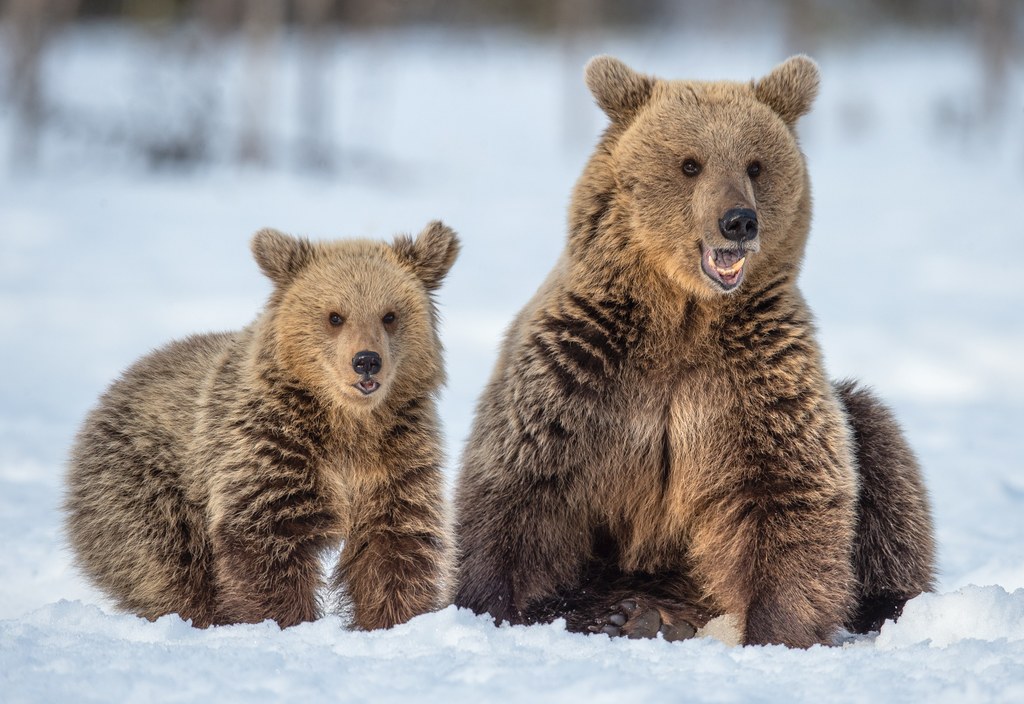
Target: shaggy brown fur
[[659, 442], [216, 471], [894, 549]]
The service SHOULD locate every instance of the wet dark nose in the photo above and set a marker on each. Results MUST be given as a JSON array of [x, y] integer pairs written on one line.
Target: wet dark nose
[[739, 224], [366, 362]]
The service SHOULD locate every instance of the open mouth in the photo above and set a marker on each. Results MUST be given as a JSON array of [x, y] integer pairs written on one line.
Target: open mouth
[[723, 266], [366, 386]]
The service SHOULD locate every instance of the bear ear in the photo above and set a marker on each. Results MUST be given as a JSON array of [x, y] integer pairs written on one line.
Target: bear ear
[[790, 88], [280, 256], [619, 90], [431, 254]]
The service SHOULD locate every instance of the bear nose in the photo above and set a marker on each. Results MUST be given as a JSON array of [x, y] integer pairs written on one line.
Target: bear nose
[[739, 224], [366, 362]]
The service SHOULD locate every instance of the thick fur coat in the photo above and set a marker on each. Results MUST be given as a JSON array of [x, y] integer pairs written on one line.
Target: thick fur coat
[[214, 474], [659, 443]]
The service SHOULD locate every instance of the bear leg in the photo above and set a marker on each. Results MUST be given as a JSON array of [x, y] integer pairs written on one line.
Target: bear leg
[[135, 533], [518, 554], [392, 570], [396, 561], [267, 536], [894, 547], [522, 538], [780, 563], [263, 575]]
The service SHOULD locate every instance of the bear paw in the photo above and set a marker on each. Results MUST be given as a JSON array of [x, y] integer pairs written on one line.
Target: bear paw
[[633, 618]]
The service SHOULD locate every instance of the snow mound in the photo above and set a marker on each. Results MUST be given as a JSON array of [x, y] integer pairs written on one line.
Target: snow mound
[[971, 613]]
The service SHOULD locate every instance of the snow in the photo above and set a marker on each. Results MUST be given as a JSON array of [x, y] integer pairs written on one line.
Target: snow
[[909, 271], [959, 647]]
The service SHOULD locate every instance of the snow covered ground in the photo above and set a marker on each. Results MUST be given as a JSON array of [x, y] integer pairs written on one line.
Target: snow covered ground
[[911, 271]]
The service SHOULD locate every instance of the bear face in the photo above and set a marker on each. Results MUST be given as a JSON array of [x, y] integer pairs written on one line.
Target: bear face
[[710, 173], [354, 320]]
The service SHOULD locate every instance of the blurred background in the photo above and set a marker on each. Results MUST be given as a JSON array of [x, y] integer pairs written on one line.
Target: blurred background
[[175, 112], [142, 142]]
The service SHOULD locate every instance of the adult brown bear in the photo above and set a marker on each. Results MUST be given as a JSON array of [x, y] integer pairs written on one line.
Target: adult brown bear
[[659, 442]]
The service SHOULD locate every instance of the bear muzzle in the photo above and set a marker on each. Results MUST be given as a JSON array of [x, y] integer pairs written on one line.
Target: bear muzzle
[[366, 363], [725, 265]]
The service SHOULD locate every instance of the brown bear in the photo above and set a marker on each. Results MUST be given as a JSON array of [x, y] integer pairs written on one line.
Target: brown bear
[[214, 474], [659, 443]]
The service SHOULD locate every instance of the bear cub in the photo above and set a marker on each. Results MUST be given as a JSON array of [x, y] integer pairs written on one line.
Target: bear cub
[[659, 443], [214, 474]]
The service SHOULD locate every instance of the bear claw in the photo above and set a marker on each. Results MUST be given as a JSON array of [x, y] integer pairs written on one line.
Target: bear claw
[[677, 631], [631, 619]]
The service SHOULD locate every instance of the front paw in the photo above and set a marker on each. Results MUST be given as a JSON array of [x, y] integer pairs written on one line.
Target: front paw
[[634, 618]]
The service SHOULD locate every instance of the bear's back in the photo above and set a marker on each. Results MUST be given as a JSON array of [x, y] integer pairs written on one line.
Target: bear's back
[[158, 395], [144, 423]]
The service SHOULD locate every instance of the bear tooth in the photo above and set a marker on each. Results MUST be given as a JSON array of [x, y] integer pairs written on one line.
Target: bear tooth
[[732, 269]]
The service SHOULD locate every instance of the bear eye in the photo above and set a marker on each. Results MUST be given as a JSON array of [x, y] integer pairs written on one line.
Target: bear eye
[[388, 319], [691, 167], [336, 320], [754, 169]]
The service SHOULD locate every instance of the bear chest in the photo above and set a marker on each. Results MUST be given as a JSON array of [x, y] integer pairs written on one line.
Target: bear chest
[[678, 447], [699, 442], [353, 487]]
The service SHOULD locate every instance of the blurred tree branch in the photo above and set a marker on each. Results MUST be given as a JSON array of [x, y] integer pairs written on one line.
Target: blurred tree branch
[[30, 24], [204, 36]]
